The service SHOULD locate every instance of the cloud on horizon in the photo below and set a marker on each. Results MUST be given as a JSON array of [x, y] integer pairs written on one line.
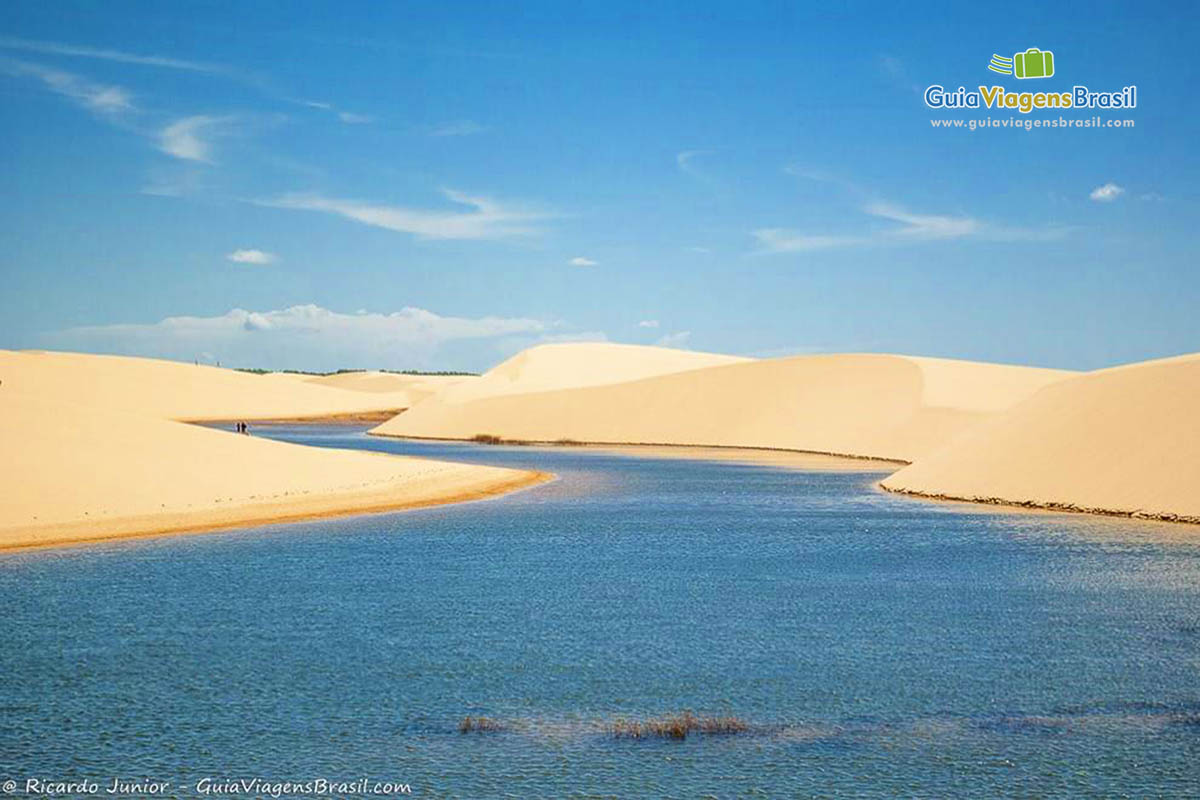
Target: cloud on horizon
[[488, 219], [312, 337], [678, 340]]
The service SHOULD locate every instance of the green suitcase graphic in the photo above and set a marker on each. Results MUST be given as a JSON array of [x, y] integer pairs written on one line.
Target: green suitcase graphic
[[1034, 63]]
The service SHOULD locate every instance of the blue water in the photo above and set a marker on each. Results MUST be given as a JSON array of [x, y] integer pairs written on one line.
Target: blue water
[[876, 645]]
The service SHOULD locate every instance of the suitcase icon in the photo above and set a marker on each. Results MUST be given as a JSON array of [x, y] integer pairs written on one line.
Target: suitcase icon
[[1033, 63]]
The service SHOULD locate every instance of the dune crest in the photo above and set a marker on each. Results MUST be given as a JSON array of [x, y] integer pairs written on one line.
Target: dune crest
[[575, 365], [1121, 441], [176, 390], [878, 406]]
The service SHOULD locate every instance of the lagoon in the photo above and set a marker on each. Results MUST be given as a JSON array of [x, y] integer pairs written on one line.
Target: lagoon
[[874, 644]]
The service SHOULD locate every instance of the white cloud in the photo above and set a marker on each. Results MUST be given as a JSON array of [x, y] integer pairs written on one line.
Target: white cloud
[[580, 261], [699, 250], [55, 48], [677, 340], [311, 337], [912, 228], [464, 127], [354, 119], [98, 97], [252, 256], [487, 219], [184, 138], [1107, 193], [924, 226], [784, 240], [648, 323]]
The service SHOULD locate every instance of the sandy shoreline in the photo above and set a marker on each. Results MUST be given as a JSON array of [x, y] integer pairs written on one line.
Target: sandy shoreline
[[757, 456], [295, 509], [344, 418]]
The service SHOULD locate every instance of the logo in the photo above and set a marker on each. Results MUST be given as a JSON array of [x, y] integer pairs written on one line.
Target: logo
[[1033, 63]]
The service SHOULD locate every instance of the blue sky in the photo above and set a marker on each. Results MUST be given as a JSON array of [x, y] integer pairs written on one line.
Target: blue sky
[[439, 185]]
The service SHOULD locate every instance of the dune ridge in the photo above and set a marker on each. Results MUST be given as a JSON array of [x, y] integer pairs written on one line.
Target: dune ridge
[[863, 405], [1121, 441], [176, 390]]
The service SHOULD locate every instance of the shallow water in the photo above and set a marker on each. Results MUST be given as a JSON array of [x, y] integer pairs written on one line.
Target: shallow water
[[875, 644]]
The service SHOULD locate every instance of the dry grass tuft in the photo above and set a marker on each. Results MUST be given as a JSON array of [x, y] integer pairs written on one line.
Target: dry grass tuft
[[487, 438], [675, 726], [479, 725]]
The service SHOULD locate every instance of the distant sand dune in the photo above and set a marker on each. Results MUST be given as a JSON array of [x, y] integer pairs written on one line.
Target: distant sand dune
[[175, 390], [879, 406], [577, 365], [1123, 440]]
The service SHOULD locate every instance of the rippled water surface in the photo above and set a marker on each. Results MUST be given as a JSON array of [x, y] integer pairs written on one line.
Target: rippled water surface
[[875, 645]]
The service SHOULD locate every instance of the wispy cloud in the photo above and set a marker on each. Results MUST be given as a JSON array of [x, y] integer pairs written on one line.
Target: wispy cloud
[[487, 219], [355, 119], [580, 261], [464, 127], [101, 98], [912, 227], [786, 240], [648, 323], [1107, 193], [684, 160], [924, 226], [676, 340], [60, 49], [252, 256], [312, 337], [186, 138]]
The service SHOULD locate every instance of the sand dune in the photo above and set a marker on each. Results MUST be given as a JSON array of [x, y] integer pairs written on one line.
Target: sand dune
[[174, 390], [580, 364], [88, 450], [1123, 440], [411, 389], [880, 406]]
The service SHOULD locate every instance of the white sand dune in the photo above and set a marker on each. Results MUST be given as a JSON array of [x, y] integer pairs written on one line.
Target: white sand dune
[[1123, 440], [880, 406], [576, 365], [411, 388], [88, 450], [175, 390]]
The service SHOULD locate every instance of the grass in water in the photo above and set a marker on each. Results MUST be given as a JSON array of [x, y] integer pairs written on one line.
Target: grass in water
[[479, 725], [675, 726]]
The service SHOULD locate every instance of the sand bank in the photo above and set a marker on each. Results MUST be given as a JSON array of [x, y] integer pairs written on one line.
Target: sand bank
[[89, 452], [786, 459]]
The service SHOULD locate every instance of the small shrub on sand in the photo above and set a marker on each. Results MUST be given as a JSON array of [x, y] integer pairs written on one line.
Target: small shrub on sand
[[479, 725], [675, 726], [486, 438]]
